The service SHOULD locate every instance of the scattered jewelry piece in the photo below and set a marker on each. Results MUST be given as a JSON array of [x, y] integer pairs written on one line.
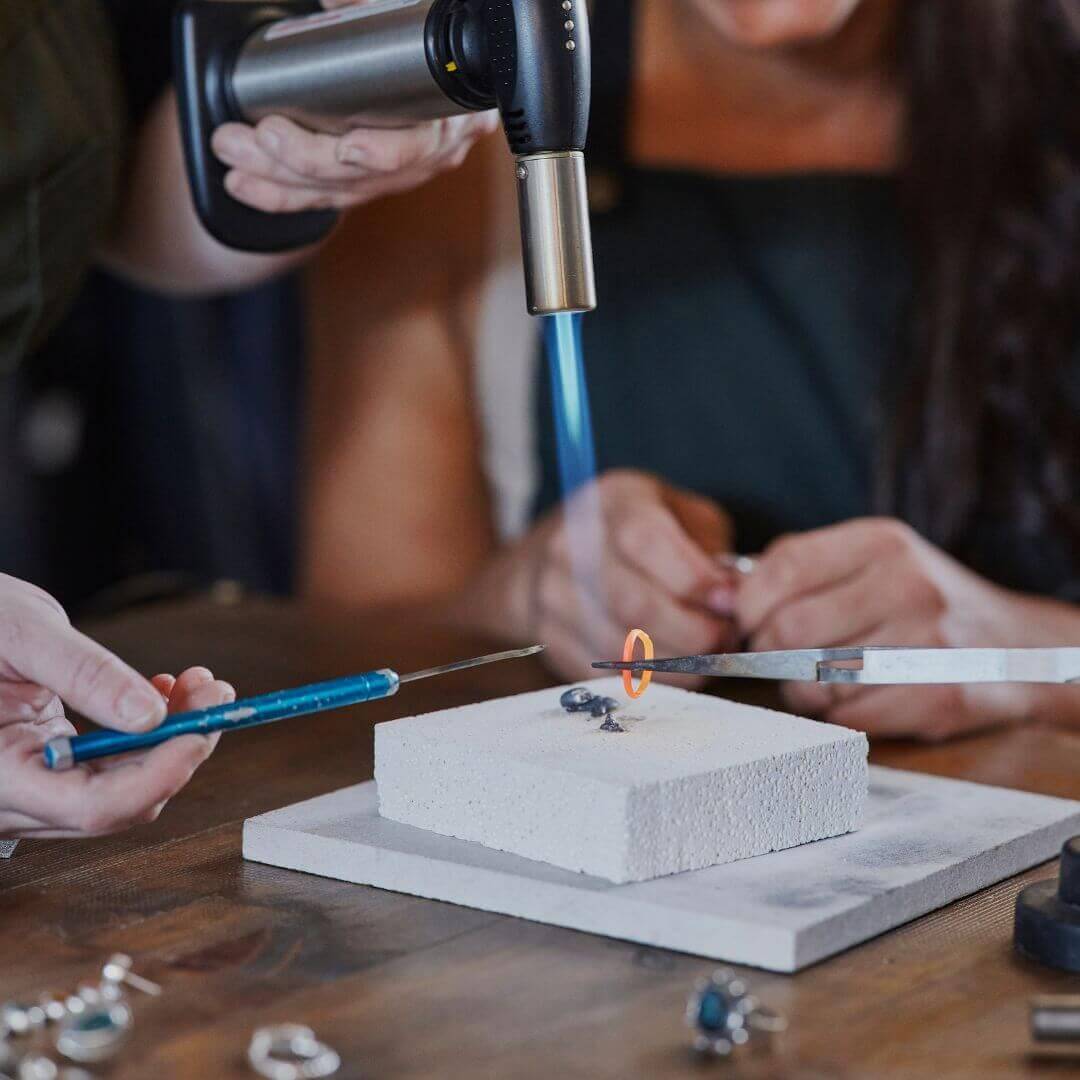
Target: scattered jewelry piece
[[96, 1033], [291, 1052], [724, 1015], [647, 653], [611, 724], [54, 1009], [744, 565], [117, 970], [37, 1067], [20, 1019]]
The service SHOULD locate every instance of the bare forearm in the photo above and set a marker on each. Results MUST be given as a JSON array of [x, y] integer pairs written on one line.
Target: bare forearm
[[157, 238]]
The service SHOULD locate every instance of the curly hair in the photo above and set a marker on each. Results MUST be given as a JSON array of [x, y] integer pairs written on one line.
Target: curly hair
[[989, 426]]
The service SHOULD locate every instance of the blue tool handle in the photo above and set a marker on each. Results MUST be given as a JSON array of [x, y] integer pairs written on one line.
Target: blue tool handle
[[65, 752]]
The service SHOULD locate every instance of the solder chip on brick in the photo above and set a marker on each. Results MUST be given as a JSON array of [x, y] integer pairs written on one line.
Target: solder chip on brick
[[694, 780]]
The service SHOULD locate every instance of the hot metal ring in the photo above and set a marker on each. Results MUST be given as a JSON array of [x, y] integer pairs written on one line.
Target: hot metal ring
[[291, 1052], [648, 652]]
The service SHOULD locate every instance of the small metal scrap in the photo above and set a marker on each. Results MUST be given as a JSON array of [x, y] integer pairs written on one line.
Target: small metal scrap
[[580, 699], [17, 1018], [117, 971], [1054, 1021], [724, 1015]]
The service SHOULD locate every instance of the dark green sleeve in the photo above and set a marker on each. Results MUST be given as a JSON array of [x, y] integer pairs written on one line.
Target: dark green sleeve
[[62, 127]]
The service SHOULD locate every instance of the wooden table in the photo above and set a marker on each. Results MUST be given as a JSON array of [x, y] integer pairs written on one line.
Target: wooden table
[[412, 988]]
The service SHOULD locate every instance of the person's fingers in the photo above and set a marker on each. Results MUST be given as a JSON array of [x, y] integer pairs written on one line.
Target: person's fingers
[[807, 698], [703, 521], [95, 801], [52, 654], [22, 702], [163, 684], [922, 712], [25, 590], [804, 563], [850, 611], [632, 600], [565, 653], [561, 600], [397, 150], [205, 696], [302, 159], [650, 539], [188, 680], [274, 198]]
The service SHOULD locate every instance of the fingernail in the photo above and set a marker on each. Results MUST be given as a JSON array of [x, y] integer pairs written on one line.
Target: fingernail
[[721, 600], [268, 139], [233, 183], [229, 691], [141, 710]]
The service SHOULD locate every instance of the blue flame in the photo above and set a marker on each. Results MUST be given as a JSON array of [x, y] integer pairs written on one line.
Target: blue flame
[[570, 396], [576, 452]]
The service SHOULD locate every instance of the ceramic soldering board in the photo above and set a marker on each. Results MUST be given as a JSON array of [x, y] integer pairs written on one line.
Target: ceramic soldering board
[[924, 842]]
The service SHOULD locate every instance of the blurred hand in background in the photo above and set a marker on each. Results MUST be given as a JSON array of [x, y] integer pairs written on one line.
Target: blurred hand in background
[[875, 581], [654, 566]]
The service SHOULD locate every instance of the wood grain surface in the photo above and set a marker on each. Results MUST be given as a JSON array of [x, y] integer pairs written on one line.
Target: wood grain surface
[[404, 987]]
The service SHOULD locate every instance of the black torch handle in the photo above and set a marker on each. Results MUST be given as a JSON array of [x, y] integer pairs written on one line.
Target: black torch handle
[[207, 36]]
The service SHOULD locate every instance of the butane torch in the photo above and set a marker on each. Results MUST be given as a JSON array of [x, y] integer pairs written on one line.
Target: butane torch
[[390, 63]]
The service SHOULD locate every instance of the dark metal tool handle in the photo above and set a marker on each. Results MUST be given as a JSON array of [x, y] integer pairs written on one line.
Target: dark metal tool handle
[[207, 37]]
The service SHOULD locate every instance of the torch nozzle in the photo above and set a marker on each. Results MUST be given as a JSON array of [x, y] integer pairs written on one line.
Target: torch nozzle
[[555, 237]]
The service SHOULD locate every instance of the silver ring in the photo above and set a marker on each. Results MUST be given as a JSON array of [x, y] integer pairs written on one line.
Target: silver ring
[[744, 565], [94, 1033], [291, 1052]]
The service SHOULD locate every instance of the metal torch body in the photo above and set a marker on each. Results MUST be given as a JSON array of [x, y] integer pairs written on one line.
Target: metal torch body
[[391, 63]]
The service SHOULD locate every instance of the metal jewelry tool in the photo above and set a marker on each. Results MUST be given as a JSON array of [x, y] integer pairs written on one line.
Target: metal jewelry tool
[[67, 751], [875, 666], [117, 972], [724, 1015], [1046, 918], [291, 1052]]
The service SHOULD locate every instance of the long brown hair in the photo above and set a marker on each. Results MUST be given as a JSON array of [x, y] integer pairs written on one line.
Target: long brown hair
[[987, 427]]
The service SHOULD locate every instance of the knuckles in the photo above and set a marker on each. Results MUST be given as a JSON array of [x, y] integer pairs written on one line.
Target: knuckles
[[792, 628]]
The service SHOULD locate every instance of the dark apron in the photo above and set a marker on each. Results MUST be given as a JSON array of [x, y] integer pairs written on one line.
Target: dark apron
[[61, 132]]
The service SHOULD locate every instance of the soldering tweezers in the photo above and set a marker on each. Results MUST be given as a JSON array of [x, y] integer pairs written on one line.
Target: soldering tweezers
[[880, 666]]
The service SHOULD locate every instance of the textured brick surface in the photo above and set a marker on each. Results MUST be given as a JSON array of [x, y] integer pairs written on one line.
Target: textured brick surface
[[694, 781]]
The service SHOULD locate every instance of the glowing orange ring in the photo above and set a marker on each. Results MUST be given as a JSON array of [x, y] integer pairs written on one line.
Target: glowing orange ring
[[645, 677]]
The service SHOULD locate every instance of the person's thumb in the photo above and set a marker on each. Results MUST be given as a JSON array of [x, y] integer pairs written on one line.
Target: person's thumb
[[47, 651], [705, 522]]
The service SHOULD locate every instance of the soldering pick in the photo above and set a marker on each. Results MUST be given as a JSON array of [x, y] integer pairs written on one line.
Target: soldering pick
[[68, 751]]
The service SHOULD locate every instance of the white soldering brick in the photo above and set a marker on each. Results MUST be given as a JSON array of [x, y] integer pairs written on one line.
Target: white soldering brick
[[693, 781]]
